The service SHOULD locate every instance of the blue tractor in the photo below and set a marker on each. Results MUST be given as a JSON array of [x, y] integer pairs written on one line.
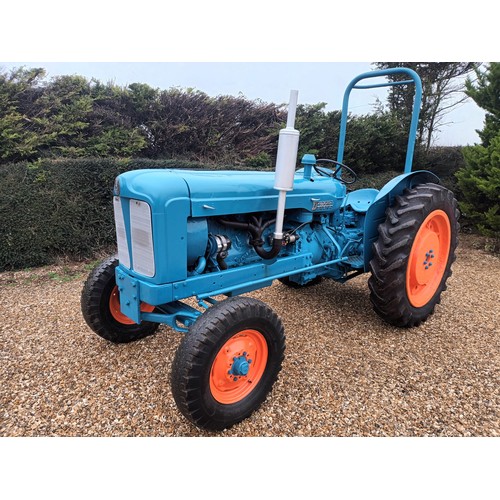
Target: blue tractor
[[187, 237]]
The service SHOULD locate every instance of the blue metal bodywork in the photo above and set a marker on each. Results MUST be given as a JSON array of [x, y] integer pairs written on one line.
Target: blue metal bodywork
[[202, 249]]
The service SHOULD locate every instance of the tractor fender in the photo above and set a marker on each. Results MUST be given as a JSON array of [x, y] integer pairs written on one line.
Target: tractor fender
[[376, 213]]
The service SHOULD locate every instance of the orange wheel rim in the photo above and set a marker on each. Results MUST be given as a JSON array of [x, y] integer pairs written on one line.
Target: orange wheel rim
[[238, 366], [428, 258], [114, 307]]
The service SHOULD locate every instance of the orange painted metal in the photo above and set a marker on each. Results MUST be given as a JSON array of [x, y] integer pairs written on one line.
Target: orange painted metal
[[227, 388], [114, 307], [428, 258]]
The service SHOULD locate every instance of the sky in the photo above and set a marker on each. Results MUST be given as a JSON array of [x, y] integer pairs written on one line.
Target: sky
[[267, 81]]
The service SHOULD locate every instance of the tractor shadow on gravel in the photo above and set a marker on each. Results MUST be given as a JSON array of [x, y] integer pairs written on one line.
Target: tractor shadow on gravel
[[338, 301]]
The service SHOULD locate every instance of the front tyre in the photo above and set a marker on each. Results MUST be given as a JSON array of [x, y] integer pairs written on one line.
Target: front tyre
[[228, 362], [413, 255], [100, 303]]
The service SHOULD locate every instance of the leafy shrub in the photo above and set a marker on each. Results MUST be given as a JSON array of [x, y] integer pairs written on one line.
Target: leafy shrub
[[375, 143], [479, 183], [444, 161], [261, 161], [71, 116], [376, 181], [479, 179]]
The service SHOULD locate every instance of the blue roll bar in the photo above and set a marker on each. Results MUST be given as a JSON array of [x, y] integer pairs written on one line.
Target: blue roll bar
[[415, 79]]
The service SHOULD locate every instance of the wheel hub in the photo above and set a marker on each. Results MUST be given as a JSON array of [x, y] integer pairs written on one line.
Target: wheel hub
[[240, 366], [427, 251]]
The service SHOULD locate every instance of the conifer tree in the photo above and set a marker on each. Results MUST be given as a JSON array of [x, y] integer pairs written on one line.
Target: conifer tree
[[479, 179]]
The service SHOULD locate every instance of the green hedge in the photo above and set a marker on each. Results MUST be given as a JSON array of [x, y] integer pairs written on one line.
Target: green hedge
[[62, 208]]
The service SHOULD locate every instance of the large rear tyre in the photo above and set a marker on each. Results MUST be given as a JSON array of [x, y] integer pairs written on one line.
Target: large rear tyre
[[227, 364], [100, 302], [413, 255]]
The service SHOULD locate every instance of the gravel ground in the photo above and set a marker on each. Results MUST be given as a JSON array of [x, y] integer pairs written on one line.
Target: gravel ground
[[346, 373]]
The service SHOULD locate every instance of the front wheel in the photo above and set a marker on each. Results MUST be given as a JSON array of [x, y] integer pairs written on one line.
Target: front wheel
[[100, 303], [228, 362], [413, 255]]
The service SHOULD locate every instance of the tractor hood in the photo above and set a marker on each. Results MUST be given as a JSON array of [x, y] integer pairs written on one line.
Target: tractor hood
[[222, 192]]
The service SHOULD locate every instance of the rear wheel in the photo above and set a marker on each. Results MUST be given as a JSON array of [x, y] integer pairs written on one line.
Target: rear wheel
[[228, 362], [100, 302], [413, 256]]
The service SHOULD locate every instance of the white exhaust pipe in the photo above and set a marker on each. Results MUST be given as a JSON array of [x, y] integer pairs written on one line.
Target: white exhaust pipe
[[286, 161]]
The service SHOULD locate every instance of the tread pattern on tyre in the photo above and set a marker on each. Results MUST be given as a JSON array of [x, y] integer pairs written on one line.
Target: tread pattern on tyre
[[95, 307], [391, 251], [195, 355]]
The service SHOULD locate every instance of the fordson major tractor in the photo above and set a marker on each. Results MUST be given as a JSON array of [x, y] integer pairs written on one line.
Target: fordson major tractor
[[215, 236]]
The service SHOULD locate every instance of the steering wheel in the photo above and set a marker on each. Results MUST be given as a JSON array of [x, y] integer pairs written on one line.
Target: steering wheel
[[337, 170]]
